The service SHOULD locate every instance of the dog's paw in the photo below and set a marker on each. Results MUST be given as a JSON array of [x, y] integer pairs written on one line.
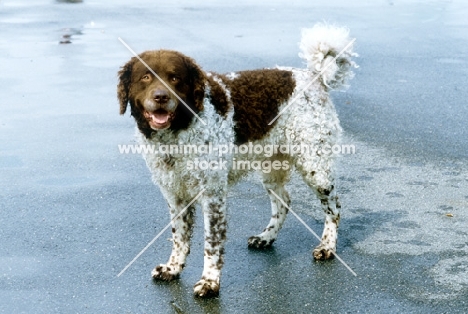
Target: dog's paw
[[206, 288], [256, 242], [322, 253], [164, 272]]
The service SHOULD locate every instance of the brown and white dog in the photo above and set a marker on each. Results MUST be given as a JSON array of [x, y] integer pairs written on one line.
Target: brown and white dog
[[182, 104]]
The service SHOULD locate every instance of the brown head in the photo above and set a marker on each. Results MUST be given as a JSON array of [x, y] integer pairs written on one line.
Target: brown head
[[160, 102]]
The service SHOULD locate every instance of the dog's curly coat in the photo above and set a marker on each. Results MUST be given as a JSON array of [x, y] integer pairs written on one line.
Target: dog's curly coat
[[237, 109]]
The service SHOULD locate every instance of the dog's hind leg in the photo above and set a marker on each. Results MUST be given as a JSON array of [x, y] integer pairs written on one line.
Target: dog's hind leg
[[331, 207], [274, 181], [321, 181]]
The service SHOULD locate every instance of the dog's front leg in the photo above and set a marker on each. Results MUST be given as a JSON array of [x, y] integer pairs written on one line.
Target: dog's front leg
[[182, 226], [214, 216]]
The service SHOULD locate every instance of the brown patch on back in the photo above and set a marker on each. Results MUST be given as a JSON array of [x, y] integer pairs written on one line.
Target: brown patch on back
[[256, 96], [218, 96]]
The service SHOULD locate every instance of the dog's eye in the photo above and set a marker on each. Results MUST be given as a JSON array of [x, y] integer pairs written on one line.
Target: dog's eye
[[146, 78], [174, 79]]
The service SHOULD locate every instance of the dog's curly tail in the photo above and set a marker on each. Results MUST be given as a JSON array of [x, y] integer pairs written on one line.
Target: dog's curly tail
[[328, 50]]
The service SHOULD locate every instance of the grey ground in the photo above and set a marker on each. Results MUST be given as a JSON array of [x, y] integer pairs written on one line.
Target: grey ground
[[74, 211]]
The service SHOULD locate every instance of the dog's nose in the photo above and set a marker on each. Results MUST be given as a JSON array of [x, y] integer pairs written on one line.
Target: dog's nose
[[161, 96]]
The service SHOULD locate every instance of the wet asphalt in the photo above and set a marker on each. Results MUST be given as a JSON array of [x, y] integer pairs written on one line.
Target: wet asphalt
[[75, 212]]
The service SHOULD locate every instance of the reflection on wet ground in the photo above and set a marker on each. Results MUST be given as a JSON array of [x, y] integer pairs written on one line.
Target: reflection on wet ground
[[69, 1], [68, 34]]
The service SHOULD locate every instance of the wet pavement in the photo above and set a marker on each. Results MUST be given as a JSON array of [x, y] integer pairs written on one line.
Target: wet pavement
[[74, 211]]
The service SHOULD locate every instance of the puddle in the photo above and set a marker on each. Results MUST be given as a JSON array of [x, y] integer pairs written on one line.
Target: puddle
[[422, 183], [445, 207], [394, 194], [383, 169], [451, 273]]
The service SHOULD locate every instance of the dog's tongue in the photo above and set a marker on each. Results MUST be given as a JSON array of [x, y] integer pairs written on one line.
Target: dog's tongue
[[160, 116]]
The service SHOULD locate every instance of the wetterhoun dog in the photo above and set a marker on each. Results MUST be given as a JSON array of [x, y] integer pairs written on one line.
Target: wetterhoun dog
[[185, 105]]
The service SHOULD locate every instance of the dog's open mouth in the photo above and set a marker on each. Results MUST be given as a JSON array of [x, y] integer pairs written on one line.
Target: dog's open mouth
[[159, 119]]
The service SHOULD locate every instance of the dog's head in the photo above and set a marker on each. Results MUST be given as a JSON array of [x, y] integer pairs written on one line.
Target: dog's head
[[160, 101]]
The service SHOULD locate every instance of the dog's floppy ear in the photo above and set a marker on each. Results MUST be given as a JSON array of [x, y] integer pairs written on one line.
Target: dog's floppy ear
[[123, 88], [197, 80]]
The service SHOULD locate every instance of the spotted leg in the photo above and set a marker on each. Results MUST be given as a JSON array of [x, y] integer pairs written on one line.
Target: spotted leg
[[331, 207], [321, 181], [273, 181], [181, 233], [214, 216]]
